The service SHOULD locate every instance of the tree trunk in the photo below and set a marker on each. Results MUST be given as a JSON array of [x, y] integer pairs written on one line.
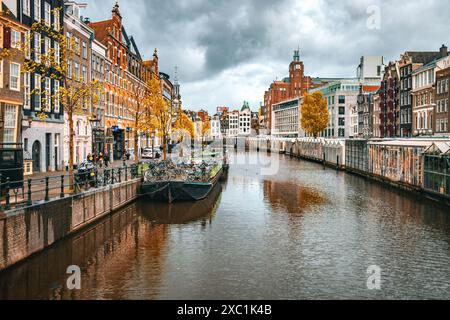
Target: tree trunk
[[71, 133], [165, 147]]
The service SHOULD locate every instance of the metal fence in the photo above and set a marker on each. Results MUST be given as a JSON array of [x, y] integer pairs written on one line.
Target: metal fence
[[34, 191]]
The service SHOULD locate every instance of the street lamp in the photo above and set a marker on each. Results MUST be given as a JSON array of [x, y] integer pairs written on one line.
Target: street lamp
[[94, 121], [152, 136]]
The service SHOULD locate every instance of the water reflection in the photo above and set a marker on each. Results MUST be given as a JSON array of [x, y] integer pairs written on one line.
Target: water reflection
[[291, 197], [304, 233], [181, 213], [106, 254]]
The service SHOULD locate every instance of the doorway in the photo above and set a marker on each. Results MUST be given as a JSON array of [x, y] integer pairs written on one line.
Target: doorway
[[36, 156], [48, 141]]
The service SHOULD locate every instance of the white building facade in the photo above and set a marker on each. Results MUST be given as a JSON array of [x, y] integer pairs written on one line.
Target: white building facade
[[286, 121], [80, 71], [233, 119], [216, 128], [245, 119]]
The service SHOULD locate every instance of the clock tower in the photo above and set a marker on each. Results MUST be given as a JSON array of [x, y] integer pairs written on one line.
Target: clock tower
[[296, 76]]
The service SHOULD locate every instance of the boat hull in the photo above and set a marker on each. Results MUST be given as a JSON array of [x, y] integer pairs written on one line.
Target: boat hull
[[177, 191]]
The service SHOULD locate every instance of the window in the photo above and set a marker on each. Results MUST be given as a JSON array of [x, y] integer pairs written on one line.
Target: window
[[56, 97], [1, 73], [85, 75], [342, 121], [56, 23], [27, 45], [69, 69], [47, 47], [341, 99], [341, 110], [84, 50], [14, 79], [57, 52], [77, 71], [37, 92], [26, 7], [16, 39], [37, 47], [37, 10], [77, 46], [26, 89], [48, 94], [47, 14], [10, 124]]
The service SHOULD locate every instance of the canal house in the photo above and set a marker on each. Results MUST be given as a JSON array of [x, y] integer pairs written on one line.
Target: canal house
[[12, 93], [437, 168]]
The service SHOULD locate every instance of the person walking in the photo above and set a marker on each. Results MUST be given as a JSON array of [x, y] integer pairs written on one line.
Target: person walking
[[106, 159]]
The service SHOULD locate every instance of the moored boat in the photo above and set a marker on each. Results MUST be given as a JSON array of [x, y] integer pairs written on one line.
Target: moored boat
[[182, 183]]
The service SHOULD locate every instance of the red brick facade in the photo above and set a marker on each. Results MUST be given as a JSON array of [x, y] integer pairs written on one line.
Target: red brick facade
[[289, 88]]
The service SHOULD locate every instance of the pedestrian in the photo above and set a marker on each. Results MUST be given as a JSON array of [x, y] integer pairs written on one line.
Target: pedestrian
[[106, 159], [100, 159]]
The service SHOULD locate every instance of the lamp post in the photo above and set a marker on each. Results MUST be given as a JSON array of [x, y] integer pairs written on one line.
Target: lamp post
[[152, 136], [94, 121]]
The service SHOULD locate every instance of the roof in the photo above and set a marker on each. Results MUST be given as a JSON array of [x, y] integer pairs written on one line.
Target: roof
[[424, 143], [427, 66], [439, 147], [423, 57], [370, 89], [101, 29]]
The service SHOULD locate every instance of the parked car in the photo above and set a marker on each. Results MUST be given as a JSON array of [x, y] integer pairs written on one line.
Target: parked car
[[149, 153]]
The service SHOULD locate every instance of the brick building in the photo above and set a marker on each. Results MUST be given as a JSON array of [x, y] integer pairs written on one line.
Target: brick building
[[389, 101], [125, 70], [295, 86], [11, 95], [409, 62], [442, 102], [11, 79], [424, 96]]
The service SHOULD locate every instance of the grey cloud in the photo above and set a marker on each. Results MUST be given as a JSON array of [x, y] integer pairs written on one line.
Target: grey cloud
[[210, 38]]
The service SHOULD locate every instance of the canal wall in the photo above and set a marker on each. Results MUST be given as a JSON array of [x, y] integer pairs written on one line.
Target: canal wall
[[398, 164], [24, 232]]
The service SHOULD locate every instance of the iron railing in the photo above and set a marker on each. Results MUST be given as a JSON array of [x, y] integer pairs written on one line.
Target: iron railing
[[41, 190]]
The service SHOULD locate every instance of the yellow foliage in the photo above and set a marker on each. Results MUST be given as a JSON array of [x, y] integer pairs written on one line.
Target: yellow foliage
[[185, 123], [314, 114], [206, 127]]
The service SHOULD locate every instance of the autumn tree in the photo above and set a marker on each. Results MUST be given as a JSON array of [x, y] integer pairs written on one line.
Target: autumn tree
[[184, 123], [75, 92], [141, 112], [161, 117], [205, 130], [314, 114]]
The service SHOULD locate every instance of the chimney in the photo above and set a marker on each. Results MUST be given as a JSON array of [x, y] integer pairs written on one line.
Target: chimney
[[444, 51]]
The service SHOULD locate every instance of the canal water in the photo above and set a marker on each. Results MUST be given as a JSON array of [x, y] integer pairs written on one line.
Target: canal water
[[299, 232]]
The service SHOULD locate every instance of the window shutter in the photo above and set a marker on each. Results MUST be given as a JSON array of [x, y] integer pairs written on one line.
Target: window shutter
[[7, 37]]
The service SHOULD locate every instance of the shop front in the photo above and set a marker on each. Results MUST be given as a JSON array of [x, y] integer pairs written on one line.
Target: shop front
[[118, 142]]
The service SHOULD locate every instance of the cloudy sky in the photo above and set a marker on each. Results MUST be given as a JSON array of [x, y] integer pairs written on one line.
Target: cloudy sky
[[229, 51]]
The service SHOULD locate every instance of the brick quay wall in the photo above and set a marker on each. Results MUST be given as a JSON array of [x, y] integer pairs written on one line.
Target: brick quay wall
[[24, 232]]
